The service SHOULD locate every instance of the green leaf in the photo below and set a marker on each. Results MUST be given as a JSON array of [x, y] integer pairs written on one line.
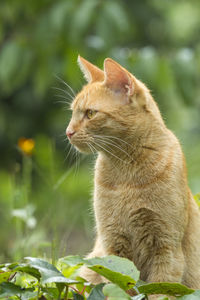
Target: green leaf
[[77, 296], [72, 260], [2, 266], [165, 288], [193, 296], [120, 271], [60, 287], [4, 276], [28, 295], [11, 265], [114, 292], [27, 269], [87, 286], [8, 289], [51, 291], [70, 271], [49, 273], [97, 292]]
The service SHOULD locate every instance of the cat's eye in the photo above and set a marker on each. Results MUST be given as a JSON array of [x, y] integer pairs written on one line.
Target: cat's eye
[[90, 113]]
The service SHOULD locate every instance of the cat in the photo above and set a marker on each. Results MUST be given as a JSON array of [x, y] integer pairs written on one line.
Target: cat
[[143, 207]]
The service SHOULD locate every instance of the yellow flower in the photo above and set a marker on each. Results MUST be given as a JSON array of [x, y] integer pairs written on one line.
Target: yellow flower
[[26, 145]]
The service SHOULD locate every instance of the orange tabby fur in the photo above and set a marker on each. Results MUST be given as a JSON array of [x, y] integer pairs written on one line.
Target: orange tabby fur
[[143, 207]]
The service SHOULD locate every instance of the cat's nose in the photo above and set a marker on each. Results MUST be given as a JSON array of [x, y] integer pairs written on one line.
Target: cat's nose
[[69, 133]]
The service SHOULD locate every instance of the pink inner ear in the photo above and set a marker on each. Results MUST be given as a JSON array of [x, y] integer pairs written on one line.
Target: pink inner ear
[[117, 78]]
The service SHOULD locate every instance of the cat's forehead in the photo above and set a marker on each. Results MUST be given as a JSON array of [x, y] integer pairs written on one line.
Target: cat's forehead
[[93, 96]]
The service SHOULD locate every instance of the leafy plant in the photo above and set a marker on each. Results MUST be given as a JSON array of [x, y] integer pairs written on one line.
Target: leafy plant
[[38, 279]]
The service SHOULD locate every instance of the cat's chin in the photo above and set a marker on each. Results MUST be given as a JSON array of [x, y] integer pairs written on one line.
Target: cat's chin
[[83, 149]]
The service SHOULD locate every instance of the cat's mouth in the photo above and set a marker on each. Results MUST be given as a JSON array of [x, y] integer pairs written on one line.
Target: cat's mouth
[[82, 145]]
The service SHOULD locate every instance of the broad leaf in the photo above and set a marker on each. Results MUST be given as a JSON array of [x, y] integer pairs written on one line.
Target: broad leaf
[[120, 271], [193, 296], [165, 288], [2, 266], [51, 291], [25, 268], [114, 292], [70, 271], [49, 273], [77, 296], [116, 269], [4, 276], [11, 265], [97, 293], [29, 295], [72, 260], [8, 289]]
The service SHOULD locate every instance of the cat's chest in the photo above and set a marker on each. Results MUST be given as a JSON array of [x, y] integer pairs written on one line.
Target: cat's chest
[[113, 201], [115, 195]]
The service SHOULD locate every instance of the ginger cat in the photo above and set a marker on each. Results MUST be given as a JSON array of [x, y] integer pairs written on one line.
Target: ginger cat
[[143, 207]]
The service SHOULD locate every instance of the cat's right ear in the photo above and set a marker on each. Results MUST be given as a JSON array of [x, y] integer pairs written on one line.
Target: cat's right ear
[[117, 78], [90, 71]]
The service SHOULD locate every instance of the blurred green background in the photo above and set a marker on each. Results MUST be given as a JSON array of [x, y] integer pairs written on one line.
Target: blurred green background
[[45, 198]]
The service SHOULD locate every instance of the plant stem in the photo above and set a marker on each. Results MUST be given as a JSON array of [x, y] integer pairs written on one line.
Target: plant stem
[[38, 294], [66, 293]]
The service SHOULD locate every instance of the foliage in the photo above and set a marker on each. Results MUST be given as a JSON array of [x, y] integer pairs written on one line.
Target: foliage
[[38, 279], [44, 207]]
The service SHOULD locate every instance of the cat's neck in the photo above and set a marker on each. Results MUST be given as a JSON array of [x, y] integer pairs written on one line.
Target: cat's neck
[[131, 150], [144, 160]]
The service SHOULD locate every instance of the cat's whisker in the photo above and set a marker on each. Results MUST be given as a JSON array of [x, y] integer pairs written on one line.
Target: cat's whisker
[[113, 144], [67, 85], [100, 142], [63, 91], [93, 149], [98, 145], [65, 139], [73, 157], [63, 102], [76, 162], [115, 137], [63, 134], [89, 145], [70, 150], [66, 107], [67, 100]]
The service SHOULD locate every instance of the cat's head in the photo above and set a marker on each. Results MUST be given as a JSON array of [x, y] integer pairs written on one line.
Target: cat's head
[[112, 110]]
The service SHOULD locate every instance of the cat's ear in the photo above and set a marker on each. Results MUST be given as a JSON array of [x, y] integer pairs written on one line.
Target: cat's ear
[[117, 78], [90, 71]]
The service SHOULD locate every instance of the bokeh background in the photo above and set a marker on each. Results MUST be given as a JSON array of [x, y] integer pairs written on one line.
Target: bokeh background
[[45, 196]]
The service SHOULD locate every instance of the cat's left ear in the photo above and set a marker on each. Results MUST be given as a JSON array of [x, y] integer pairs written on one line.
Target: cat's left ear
[[90, 71], [117, 78]]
